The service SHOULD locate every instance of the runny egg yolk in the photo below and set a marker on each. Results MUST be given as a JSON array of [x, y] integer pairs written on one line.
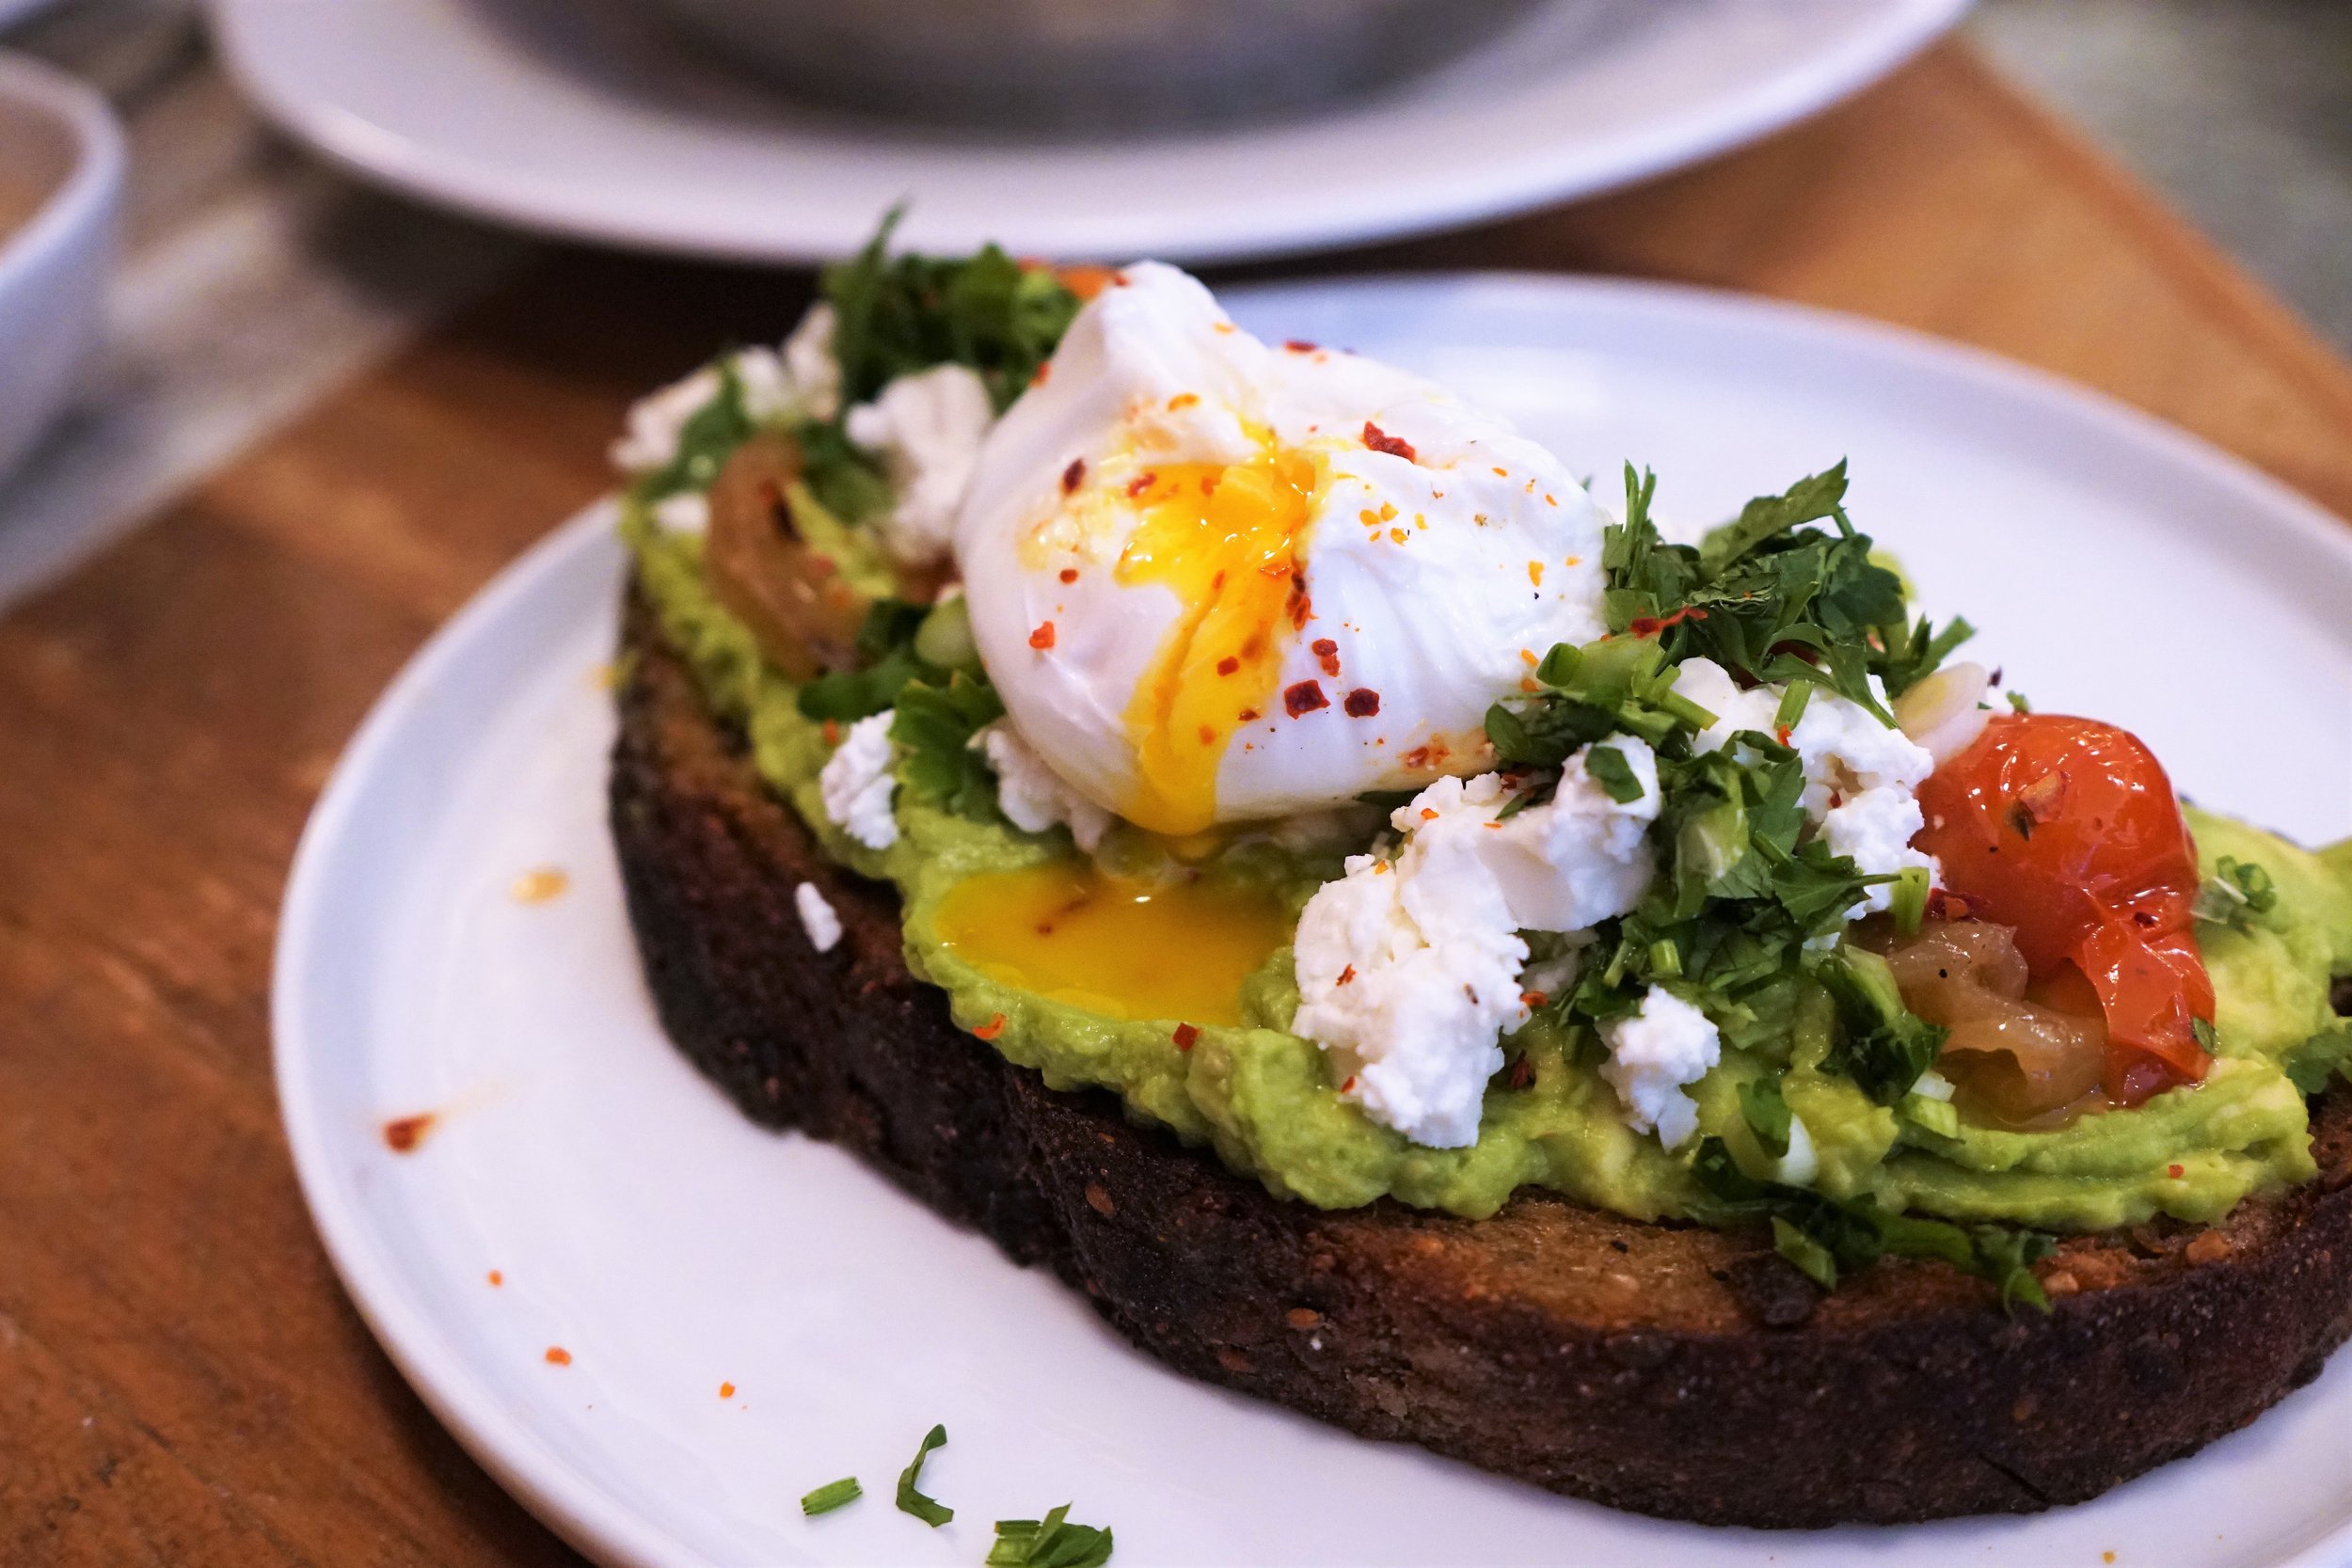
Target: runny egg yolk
[[1069, 931], [1226, 538]]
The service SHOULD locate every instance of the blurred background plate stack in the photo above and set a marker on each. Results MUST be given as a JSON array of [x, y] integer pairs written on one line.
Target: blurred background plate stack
[[600, 120]]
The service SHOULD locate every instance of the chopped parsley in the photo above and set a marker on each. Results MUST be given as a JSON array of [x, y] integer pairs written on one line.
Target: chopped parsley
[[1771, 597], [2235, 894], [1829, 1238], [704, 442], [833, 1495], [931, 1512], [1051, 1541], [895, 315]]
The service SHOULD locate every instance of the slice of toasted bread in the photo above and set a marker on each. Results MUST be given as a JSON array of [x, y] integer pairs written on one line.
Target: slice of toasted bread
[[1669, 1368]]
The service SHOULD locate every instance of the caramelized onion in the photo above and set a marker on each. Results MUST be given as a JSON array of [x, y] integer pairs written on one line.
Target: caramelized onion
[[804, 615], [2016, 1057]]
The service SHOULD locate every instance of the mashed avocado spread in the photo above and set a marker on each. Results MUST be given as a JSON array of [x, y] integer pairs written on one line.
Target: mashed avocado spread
[[1265, 1099]]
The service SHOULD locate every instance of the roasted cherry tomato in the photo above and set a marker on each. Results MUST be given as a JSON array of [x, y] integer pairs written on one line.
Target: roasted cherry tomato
[[2067, 830]]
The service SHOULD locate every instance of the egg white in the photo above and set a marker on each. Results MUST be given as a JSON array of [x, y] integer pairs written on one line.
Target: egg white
[[1432, 577]]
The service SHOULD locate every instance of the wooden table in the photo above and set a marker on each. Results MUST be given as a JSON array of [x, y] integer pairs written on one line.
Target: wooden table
[[181, 1381]]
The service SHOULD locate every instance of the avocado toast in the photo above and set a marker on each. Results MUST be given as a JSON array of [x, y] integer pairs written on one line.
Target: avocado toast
[[2096, 1285]]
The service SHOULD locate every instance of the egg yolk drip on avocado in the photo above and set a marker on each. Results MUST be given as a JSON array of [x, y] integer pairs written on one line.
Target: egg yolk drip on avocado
[[1226, 539], [1130, 949]]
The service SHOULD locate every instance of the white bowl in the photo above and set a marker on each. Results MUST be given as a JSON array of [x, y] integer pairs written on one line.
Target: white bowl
[[60, 183]]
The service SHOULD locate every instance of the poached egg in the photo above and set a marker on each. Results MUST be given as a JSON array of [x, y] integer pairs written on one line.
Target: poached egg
[[1217, 580]]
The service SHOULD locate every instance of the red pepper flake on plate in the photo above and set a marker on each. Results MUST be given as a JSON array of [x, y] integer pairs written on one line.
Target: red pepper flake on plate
[[559, 1357], [1362, 702], [1185, 1034], [1380, 440], [1304, 698], [990, 1030], [1042, 638], [403, 1135]]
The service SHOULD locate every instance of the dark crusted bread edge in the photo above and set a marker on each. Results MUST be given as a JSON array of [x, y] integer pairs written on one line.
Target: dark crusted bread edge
[[1666, 1369]]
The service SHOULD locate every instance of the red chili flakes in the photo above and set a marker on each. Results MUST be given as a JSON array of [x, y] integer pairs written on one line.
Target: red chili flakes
[[1299, 345], [1227, 665], [1208, 483], [1208, 735], [1345, 976], [1362, 702], [1348, 1087], [1141, 483], [402, 1135], [497, 1279], [559, 1357], [990, 1030], [1070, 574], [1380, 440], [1532, 998], [1183, 400], [1301, 605], [1185, 1034], [1417, 757], [727, 1391], [1780, 732], [2176, 1172], [1522, 1076], [1248, 716], [1328, 655], [1044, 372], [1074, 475], [832, 732], [1428, 814], [1042, 638], [1650, 626], [1304, 698]]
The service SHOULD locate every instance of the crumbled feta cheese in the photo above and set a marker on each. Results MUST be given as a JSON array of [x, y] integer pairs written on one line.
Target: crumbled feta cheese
[[817, 917], [927, 428], [1861, 787], [1407, 973], [809, 364], [1861, 777], [651, 436], [857, 784], [1709, 685], [1032, 796], [1580, 858], [805, 379], [687, 512], [1667, 1044]]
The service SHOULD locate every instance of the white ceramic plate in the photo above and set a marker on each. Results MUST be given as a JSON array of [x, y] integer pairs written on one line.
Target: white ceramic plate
[[2117, 568], [581, 117]]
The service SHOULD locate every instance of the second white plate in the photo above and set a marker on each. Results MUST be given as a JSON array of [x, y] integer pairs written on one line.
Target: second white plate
[[744, 1316], [581, 117]]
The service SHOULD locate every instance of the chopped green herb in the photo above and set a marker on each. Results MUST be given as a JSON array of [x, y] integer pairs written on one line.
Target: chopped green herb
[[913, 1501], [1766, 1112], [2208, 1037], [895, 315], [1049, 1542], [1883, 1047], [933, 727], [704, 442], [1938, 1117], [1909, 899], [1829, 1238], [2018, 703], [833, 1495], [1610, 770], [2235, 893]]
